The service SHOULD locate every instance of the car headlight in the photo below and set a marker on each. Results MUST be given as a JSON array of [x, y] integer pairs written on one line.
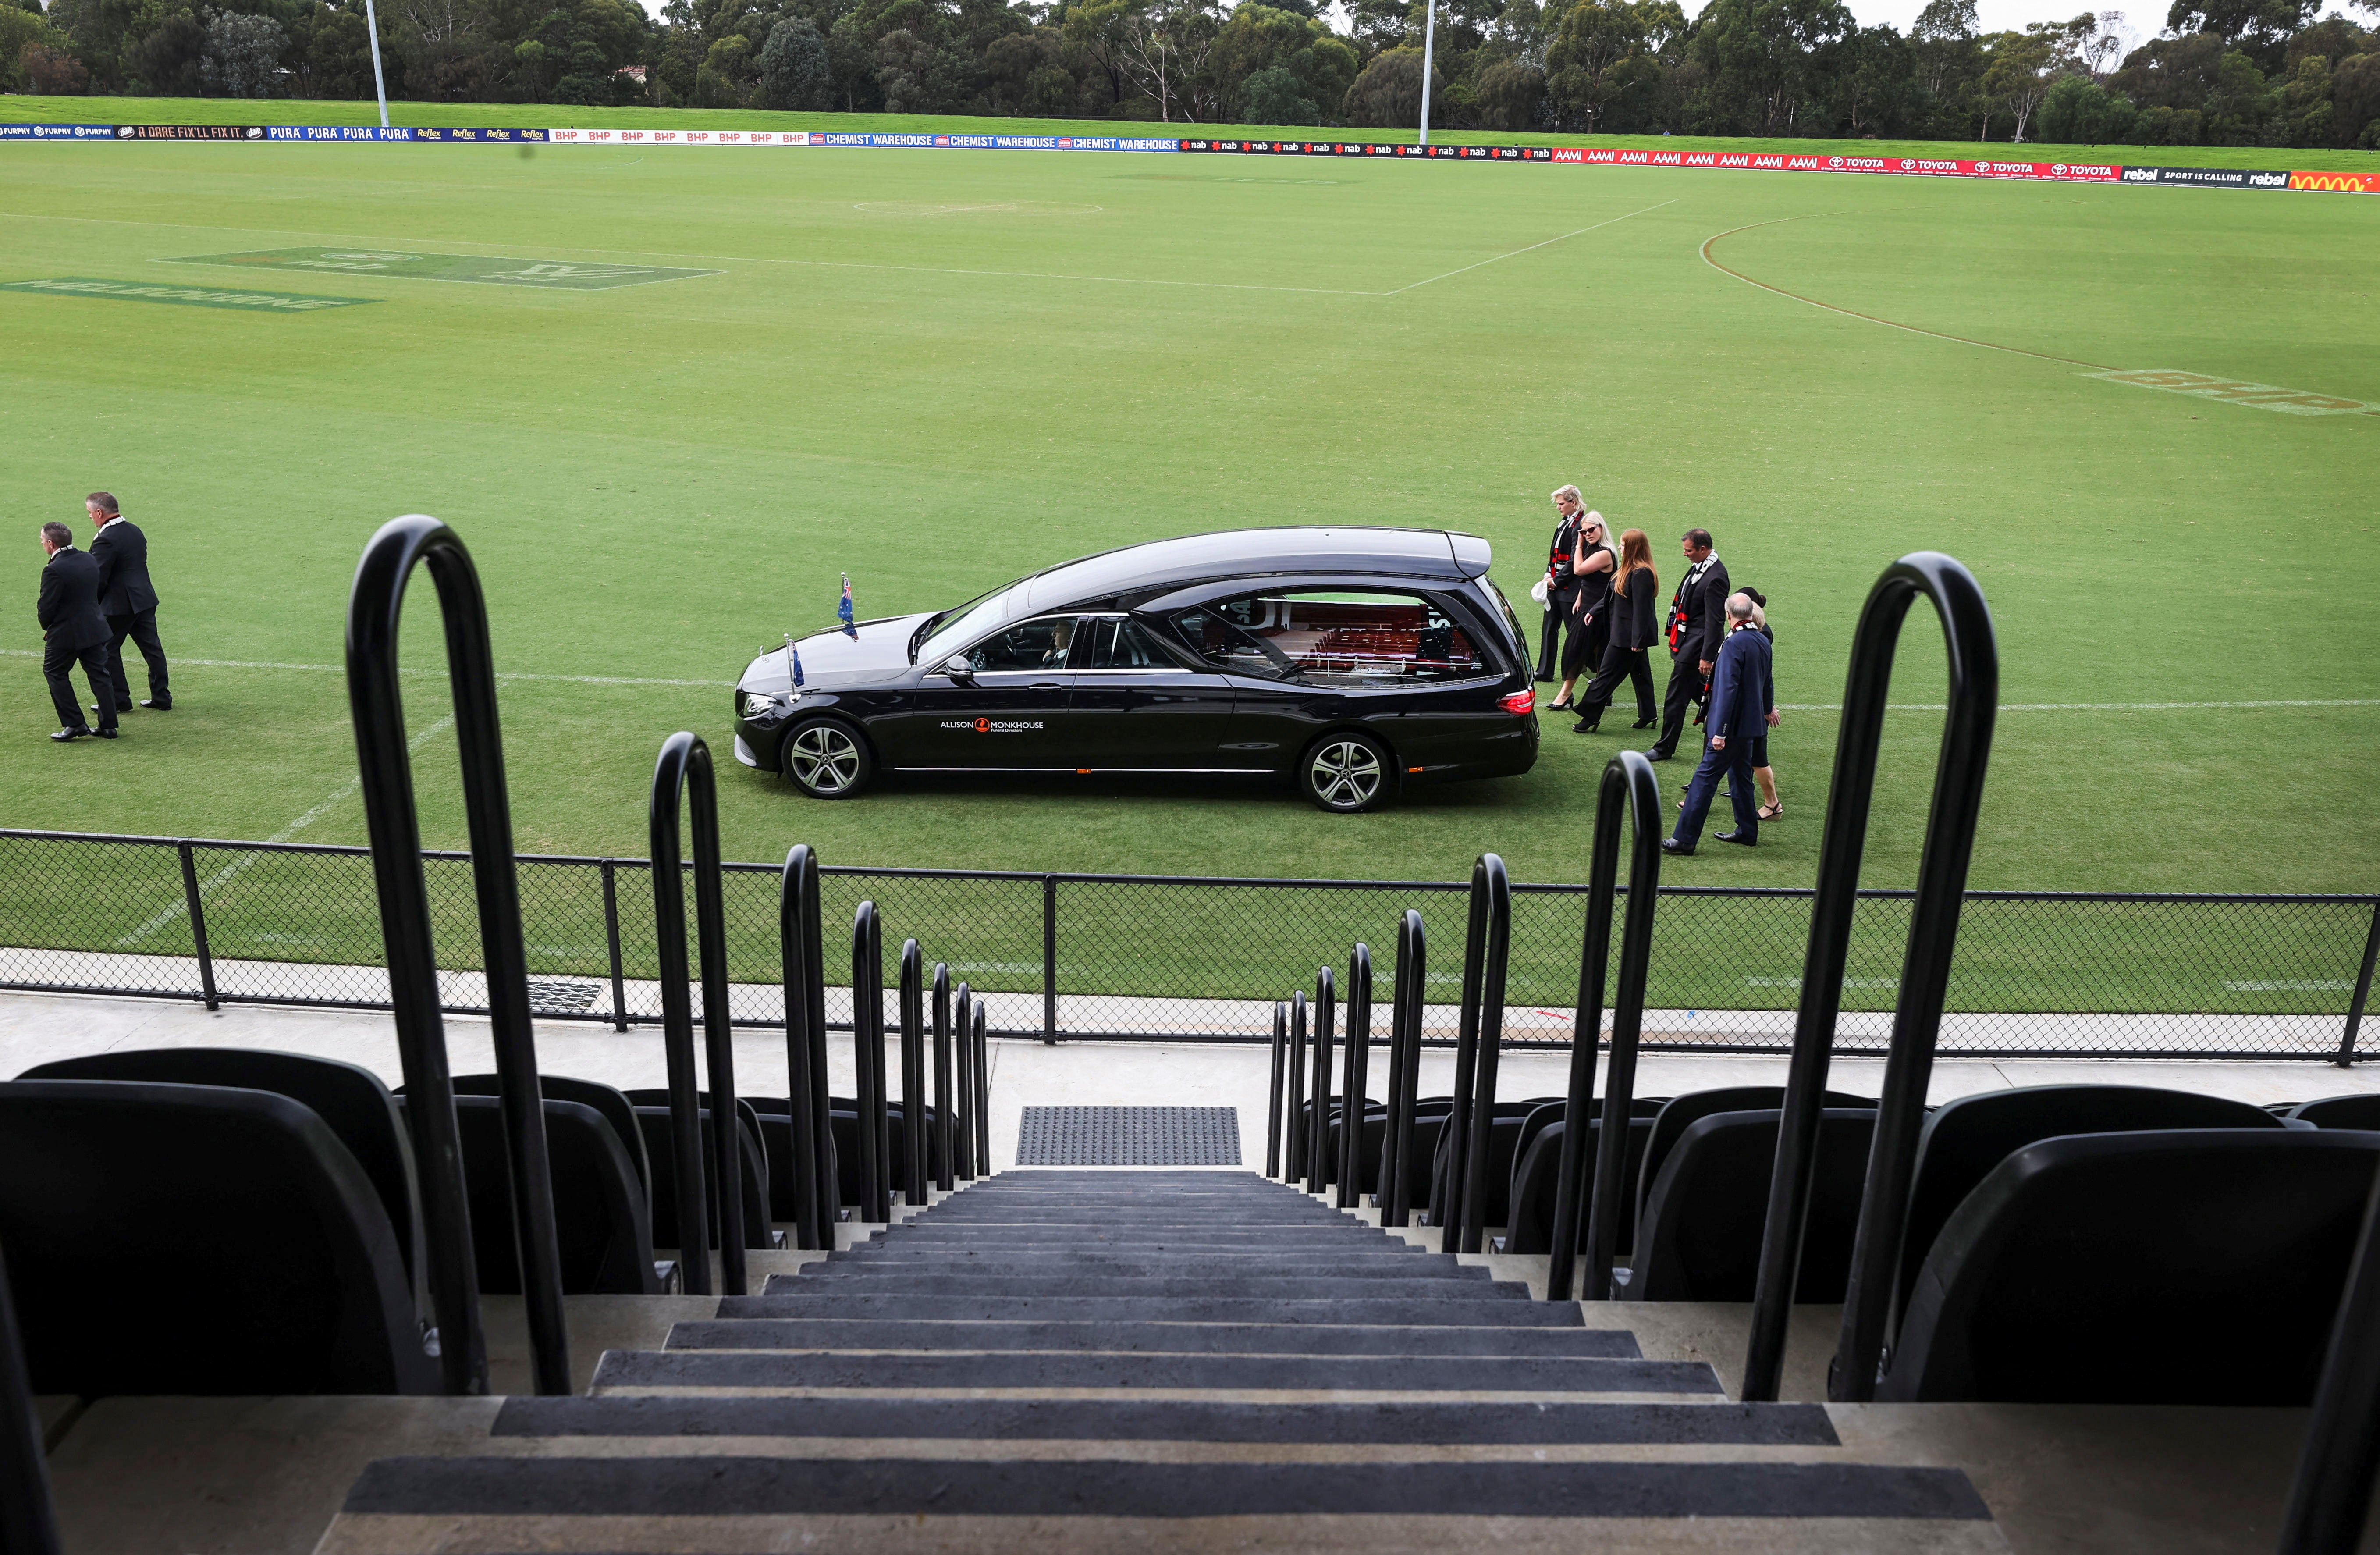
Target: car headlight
[[757, 704]]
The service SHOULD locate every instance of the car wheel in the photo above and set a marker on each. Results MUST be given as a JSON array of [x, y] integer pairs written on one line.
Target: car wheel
[[826, 759], [1346, 773]]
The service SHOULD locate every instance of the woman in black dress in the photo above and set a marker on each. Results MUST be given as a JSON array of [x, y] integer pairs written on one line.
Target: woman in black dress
[[1633, 615], [1560, 585]]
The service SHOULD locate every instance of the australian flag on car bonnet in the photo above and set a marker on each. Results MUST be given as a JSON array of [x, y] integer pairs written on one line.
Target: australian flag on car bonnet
[[842, 610]]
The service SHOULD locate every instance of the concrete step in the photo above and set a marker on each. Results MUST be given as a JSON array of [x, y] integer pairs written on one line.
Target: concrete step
[[869, 1255], [682, 1370], [636, 1503], [1283, 1288], [1187, 1339], [1374, 1309], [1403, 1423], [1118, 1266], [911, 1234]]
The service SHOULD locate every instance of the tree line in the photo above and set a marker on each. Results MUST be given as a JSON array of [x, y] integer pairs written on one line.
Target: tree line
[[2222, 72]]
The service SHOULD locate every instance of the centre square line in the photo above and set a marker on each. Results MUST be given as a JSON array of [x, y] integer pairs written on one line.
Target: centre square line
[[848, 264]]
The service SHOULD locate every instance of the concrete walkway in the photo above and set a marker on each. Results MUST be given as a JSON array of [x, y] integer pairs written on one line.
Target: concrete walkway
[[35, 1028]]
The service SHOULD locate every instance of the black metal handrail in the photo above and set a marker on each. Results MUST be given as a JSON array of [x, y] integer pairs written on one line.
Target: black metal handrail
[[815, 1193], [1973, 667], [1317, 1133], [962, 1044], [1628, 785], [684, 767], [867, 1063], [1279, 1078], [384, 770], [913, 1073], [1353, 1102], [28, 1522], [2340, 1463], [1488, 945], [1293, 1107], [945, 1124], [982, 1095], [1404, 1059]]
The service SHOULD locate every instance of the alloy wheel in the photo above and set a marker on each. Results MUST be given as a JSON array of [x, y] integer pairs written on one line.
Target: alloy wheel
[[1346, 774], [824, 760]]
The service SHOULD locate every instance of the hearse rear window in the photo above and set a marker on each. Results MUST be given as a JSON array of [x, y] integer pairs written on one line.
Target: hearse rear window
[[1357, 638]]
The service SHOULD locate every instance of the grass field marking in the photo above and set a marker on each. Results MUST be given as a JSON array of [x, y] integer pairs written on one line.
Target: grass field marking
[[2264, 397], [1850, 313], [185, 297], [341, 669], [546, 275], [339, 795], [1012, 207], [1531, 249]]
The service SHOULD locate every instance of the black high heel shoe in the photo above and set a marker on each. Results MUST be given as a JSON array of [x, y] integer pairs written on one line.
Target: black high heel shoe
[[1644, 722]]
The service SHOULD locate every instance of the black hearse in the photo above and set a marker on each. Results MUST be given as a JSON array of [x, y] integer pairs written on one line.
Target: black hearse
[[1354, 661]]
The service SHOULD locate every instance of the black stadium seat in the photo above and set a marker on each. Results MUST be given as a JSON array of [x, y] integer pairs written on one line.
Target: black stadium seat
[[2339, 1111], [614, 1105], [351, 1101], [1531, 1226], [1683, 1112], [1699, 1239], [601, 1223], [1963, 1140], [198, 1239], [655, 1123], [2169, 1267]]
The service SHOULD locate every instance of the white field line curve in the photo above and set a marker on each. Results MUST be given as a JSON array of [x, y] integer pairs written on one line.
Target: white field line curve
[[1866, 318], [339, 796], [1531, 249]]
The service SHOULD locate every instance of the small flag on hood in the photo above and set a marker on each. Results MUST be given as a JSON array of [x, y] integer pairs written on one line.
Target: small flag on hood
[[794, 660], [842, 610]]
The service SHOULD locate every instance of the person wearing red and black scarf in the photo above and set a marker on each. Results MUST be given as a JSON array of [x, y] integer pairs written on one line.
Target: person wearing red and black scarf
[[1697, 625]]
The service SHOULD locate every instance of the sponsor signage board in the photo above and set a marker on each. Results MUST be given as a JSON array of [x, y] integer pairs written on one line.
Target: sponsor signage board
[[1935, 167]]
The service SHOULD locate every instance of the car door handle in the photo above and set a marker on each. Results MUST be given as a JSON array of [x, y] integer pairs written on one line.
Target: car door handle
[[1045, 685]]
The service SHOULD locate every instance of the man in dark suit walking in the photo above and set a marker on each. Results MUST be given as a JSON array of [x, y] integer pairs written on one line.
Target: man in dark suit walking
[[73, 631], [1739, 712], [1698, 616], [127, 599]]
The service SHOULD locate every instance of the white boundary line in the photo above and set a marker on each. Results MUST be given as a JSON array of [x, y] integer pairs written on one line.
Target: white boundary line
[[816, 265], [339, 796], [508, 677], [1531, 249], [336, 669]]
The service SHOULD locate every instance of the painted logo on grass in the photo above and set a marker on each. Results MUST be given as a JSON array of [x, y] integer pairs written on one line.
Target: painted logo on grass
[[566, 275], [2265, 396], [185, 297]]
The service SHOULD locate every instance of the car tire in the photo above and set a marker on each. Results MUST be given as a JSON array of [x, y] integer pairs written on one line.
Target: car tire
[[1346, 773], [826, 759]]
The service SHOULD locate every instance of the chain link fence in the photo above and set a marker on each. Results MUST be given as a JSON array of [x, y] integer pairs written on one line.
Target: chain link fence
[[1111, 956]]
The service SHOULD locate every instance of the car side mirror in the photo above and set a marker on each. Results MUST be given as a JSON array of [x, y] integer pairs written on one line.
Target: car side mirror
[[958, 669]]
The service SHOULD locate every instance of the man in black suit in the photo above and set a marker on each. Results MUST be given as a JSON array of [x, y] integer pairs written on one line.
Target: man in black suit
[[127, 599], [1697, 625], [73, 631]]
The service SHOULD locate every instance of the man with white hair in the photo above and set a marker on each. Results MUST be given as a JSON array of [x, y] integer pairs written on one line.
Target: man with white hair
[[1738, 711]]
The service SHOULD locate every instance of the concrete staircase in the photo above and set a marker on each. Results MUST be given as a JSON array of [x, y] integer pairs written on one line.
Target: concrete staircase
[[1193, 1360]]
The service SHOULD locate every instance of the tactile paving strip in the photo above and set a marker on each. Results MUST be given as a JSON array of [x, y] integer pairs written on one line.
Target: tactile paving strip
[[1129, 1137]]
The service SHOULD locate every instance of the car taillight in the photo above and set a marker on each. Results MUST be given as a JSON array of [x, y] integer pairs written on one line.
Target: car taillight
[[1520, 704]]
